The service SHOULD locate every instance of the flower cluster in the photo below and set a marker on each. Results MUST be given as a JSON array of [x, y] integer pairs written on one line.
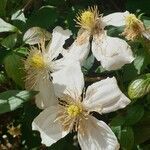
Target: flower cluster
[[60, 81]]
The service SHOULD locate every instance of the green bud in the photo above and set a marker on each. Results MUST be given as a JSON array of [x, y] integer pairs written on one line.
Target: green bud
[[139, 87]]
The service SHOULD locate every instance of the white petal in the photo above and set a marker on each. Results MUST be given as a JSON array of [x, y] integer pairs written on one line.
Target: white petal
[[112, 52], [69, 80], [80, 48], [105, 96], [146, 34], [58, 40], [97, 136], [50, 131], [46, 95], [116, 19]]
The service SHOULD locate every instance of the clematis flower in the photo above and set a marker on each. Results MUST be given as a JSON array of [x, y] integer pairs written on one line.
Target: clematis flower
[[74, 113], [112, 52], [135, 28], [39, 65]]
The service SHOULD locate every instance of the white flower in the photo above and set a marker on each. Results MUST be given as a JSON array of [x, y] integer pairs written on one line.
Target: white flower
[[113, 53], [135, 28], [41, 62], [73, 113]]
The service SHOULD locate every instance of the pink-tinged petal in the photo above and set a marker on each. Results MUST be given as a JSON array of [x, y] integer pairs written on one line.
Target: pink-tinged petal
[[50, 131], [97, 136], [105, 96]]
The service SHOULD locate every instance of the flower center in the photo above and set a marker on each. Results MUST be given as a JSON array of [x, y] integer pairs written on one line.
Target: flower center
[[131, 20], [87, 18], [37, 61], [74, 110]]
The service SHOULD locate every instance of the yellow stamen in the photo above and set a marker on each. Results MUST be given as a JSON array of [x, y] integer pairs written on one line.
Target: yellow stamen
[[87, 18], [37, 61], [90, 20], [133, 27], [74, 110], [131, 20]]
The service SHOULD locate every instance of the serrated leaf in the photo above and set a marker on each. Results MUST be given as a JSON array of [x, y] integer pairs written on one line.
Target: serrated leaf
[[7, 27], [127, 138], [12, 99], [14, 68], [36, 35], [10, 41], [139, 87]]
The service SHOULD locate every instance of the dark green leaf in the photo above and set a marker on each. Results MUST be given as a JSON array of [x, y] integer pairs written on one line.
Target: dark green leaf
[[117, 121], [10, 41], [142, 133], [12, 99], [15, 68], [127, 138], [3, 7], [134, 114], [45, 17]]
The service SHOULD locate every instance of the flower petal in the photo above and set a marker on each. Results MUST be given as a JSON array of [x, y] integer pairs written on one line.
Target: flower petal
[[105, 96], [116, 19], [146, 34], [97, 136], [69, 80], [112, 52], [58, 40], [46, 95], [80, 48], [50, 131]]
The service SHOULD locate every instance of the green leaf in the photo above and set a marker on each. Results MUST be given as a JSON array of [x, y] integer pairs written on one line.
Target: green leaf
[[117, 131], [127, 138], [2, 7], [139, 87], [45, 17], [14, 68], [7, 27], [134, 114], [88, 63], [141, 59], [3, 54], [134, 5], [35, 35], [10, 41], [142, 133], [12, 99], [117, 120], [2, 78], [146, 21], [19, 15]]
